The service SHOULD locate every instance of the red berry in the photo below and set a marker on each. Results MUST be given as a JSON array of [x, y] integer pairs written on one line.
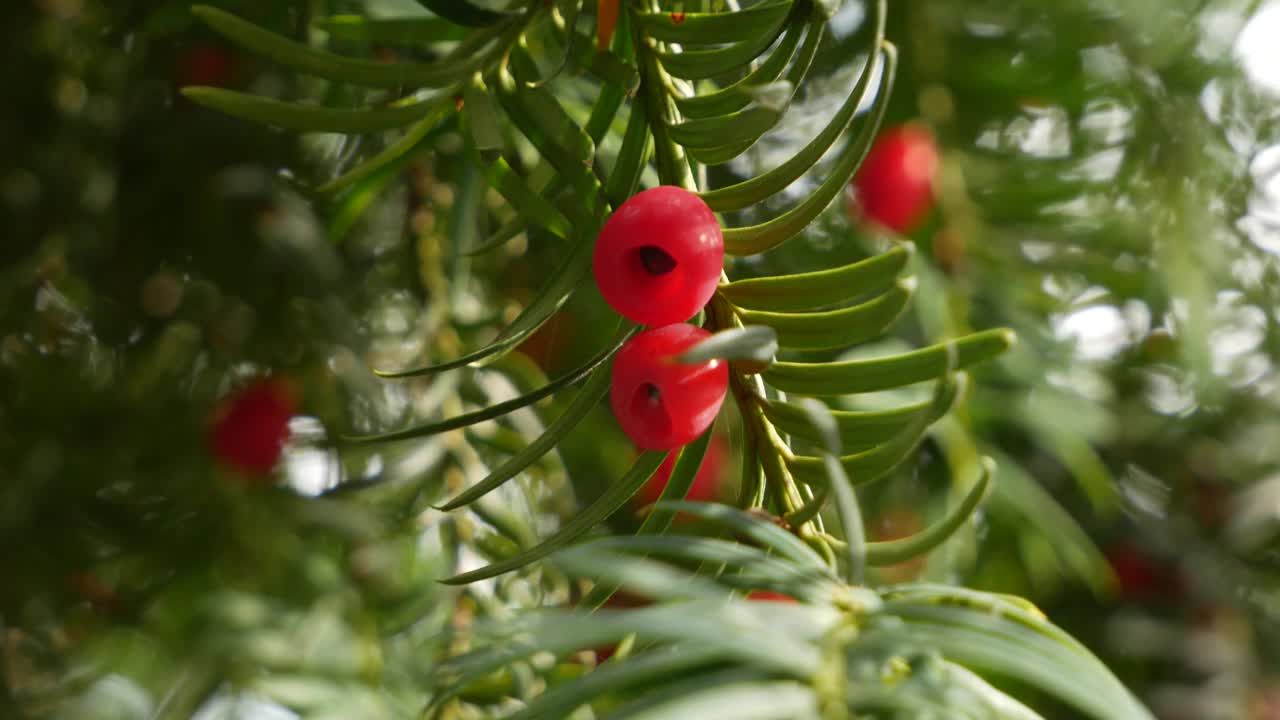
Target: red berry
[[1141, 576], [251, 428], [205, 65], [706, 484], [92, 589], [894, 185], [659, 256], [662, 404], [769, 596]]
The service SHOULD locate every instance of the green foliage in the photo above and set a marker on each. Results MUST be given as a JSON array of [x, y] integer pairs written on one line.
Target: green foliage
[[452, 164]]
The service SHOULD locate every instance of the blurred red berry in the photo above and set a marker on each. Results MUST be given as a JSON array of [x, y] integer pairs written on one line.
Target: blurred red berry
[[894, 185], [205, 65], [92, 589], [549, 344], [659, 256], [706, 483], [606, 23], [1140, 576], [251, 427], [662, 404], [769, 596]]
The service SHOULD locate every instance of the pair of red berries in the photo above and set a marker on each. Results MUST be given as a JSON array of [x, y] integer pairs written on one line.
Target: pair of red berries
[[657, 262]]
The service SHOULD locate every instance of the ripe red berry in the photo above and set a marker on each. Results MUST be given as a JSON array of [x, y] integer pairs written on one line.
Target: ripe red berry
[[205, 65], [250, 429], [659, 256], [706, 484], [769, 596], [894, 185], [1141, 576], [660, 403]]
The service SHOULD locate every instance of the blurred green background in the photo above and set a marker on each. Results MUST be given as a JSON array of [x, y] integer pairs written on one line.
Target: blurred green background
[[1110, 189]]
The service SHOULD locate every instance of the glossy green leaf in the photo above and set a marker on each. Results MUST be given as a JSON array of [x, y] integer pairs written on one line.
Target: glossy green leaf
[[741, 126], [754, 190], [308, 118], [848, 509], [835, 328], [822, 288], [304, 58], [497, 409], [861, 376], [504, 234], [737, 95], [592, 393], [678, 484], [935, 687], [702, 64], [1019, 494], [531, 206], [826, 9], [613, 70], [755, 530], [560, 701], [756, 343], [1012, 607], [774, 95], [750, 700], [556, 136], [744, 128], [890, 552], [464, 12], [506, 522], [390, 31], [349, 207], [395, 153], [638, 574], [859, 429], [701, 28], [482, 117], [871, 465], [994, 643], [770, 234], [687, 549], [603, 112], [669, 157], [562, 283], [608, 503], [721, 154], [632, 158], [565, 15]]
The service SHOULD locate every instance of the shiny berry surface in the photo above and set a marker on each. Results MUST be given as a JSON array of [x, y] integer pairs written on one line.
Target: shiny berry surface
[[250, 429], [894, 185], [706, 484], [662, 404], [659, 256]]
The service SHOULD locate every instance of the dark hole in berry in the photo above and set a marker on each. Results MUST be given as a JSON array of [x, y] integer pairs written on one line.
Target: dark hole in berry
[[656, 260], [655, 397], [647, 405]]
